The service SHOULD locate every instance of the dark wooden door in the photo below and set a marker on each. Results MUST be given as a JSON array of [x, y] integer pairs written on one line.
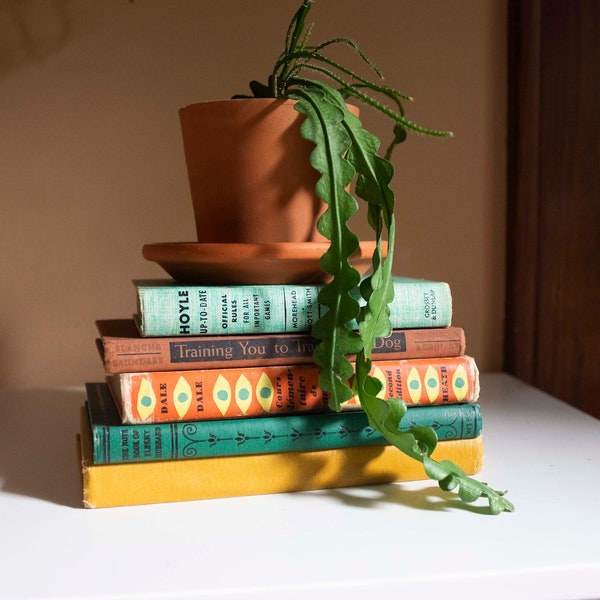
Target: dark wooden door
[[552, 333]]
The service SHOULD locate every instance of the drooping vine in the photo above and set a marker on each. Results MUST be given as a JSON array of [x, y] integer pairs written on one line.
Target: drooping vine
[[345, 152]]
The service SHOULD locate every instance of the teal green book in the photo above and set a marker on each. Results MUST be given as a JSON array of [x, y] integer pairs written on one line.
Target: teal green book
[[166, 308], [114, 442]]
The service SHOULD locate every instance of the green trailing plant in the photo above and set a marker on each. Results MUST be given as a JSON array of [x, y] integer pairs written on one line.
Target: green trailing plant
[[345, 152]]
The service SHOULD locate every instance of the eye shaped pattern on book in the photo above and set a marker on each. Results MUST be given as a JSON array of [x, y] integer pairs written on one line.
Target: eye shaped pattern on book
[[146, 400], [460, 383], [265, 392], [182, 396], [432, 383], [414, 386], [222, 394], [243, 393]]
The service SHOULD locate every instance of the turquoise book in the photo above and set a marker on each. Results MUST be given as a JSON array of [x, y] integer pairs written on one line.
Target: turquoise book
[[114, 442], [166, 308]]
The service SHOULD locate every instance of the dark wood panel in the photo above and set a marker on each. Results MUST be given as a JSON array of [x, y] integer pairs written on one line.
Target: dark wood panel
[[552, 336], [523, 179]]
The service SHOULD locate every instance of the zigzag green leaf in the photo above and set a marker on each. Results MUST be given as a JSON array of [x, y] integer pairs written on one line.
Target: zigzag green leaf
[[374, 175], [344, 149], [378, 292], [323, 126], [419, 443], [385, 415]]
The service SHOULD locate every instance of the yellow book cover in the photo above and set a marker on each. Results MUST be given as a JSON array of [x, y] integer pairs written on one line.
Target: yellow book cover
[[220, 477]]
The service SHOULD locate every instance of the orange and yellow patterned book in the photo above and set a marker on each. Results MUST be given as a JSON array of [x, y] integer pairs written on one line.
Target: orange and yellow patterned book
[[168, 396]]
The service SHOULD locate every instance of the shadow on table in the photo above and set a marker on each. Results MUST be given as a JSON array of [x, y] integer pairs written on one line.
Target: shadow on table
[[429, 498], [38, 451], [39, 459]]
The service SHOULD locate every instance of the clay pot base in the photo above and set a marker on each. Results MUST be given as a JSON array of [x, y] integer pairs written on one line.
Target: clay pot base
[[242, 264]]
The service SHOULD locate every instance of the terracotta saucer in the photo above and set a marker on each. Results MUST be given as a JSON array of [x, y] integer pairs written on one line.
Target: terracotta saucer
[[267, 263]]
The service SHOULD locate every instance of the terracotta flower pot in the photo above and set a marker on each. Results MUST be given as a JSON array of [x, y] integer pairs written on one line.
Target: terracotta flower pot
[[249, 172]]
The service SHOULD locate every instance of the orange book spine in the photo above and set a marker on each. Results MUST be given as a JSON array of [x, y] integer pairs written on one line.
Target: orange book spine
[[167, 396]]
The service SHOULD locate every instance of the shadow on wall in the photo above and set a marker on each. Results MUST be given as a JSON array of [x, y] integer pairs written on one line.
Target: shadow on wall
[[31, 30]]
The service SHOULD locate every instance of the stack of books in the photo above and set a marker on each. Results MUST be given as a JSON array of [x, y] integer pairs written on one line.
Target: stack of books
[[211, 392]]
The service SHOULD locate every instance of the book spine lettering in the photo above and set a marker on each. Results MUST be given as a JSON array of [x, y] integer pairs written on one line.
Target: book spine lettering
[[240, 310], [122, 355], [235, 437], [227, 310], [164, 396]]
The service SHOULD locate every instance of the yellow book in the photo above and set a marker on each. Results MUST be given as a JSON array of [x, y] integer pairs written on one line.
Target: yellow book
[[220, 477]]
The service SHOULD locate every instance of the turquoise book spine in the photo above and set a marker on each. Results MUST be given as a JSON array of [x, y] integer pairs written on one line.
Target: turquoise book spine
[[117, 443], [169, 309]]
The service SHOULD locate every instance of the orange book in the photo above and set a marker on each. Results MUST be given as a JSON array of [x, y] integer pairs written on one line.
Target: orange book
[[220, 477], [167, 396]]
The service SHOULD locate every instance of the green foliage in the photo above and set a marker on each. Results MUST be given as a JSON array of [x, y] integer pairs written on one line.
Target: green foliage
[[323, 126], [420, 442], [299, 57], [345, 152]]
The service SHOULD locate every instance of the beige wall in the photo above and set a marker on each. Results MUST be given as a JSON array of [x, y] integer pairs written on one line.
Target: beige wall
[[92, 166]]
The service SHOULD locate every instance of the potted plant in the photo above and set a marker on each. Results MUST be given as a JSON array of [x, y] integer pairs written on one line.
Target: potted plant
[[333, 150]]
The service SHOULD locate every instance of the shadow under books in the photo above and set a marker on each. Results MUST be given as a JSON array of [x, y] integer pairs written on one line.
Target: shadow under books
[[39, 459], [431, 498], [38, 452], [368, 495]]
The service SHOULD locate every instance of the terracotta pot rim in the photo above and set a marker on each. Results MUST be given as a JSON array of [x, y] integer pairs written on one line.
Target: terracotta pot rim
[[232, 263], [282, 101], [218, 251], [209, 103]]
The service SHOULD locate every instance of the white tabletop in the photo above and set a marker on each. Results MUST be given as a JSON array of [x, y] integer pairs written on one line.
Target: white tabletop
[[406, 540]]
